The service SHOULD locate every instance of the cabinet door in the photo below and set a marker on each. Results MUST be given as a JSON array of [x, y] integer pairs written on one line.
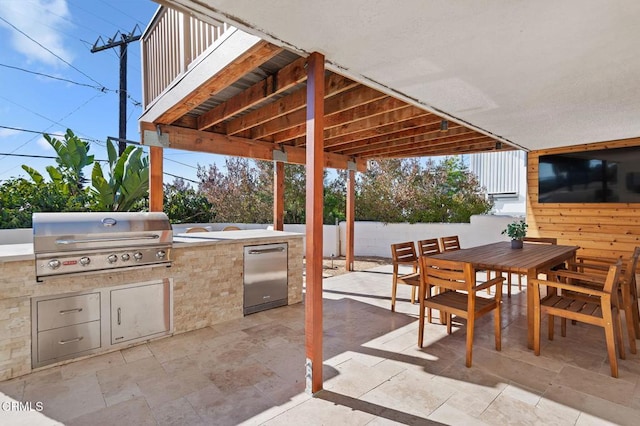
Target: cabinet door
[[140, 311]]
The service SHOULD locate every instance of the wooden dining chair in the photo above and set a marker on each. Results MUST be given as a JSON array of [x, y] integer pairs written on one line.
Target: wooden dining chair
[[429, 247], [627, 290], [231, 228], [404, 254], [449, 243], [459, 297], [197, 229], [584, 304]]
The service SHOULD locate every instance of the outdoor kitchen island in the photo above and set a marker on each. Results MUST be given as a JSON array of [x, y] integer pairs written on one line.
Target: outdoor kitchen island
[[207, 275]]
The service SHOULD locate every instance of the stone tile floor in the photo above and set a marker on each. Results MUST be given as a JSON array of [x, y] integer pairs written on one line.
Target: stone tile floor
[[251, 371]]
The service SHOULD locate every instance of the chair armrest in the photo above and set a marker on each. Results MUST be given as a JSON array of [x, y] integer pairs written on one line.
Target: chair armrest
[[595, 266], [487, 284], [569, 287], [609, 260], [596, 279]]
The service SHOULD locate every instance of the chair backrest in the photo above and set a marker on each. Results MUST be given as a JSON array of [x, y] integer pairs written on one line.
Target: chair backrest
[[448, 274], [197, 229], [403, 252], [230, 228], [541, 240], [631, 266], [428, 247], [450, 243], [612, 281]]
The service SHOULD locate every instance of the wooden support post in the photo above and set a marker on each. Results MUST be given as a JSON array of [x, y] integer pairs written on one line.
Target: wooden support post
[[314, 204], [155, 179], [278, 196], [351, 212]]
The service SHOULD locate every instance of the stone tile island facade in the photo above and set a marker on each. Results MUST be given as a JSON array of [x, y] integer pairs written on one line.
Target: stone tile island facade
[[207, 288]]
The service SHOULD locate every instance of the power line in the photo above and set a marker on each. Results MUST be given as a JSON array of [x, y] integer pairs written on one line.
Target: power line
[[50, 51], [102, 89], [58, 135]]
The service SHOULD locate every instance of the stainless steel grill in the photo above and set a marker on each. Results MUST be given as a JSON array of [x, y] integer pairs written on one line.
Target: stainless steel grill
[[74, 243]]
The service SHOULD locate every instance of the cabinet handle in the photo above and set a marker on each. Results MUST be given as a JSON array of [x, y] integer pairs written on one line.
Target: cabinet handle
[[269, 250], [70, 311], [64, 342], [118, 316]]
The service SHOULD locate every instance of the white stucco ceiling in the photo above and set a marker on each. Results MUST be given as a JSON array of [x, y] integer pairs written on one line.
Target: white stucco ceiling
[[539, 73]]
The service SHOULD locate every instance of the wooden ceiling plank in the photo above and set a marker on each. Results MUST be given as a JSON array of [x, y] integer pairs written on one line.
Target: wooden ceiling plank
[[411, 144], [425, 119], [248, 61], [483, 143], [284, 79], [215, 143], [435, 136], [334, 84], [392, 133], [339, 110]]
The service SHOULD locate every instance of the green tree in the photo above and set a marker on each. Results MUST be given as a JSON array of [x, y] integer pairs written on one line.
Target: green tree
[[128, 182], [237, 195], [20, 198], [408, 191], [184, 205]]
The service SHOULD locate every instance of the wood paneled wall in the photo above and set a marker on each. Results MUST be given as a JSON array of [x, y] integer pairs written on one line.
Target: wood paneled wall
[[611, 229]]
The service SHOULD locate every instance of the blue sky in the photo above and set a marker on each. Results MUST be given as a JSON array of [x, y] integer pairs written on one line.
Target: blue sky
[[53, 38]]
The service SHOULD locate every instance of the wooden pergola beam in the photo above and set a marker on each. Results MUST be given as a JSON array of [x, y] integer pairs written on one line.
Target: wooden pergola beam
[[295, 101], [284, 79], [278, 196], [344, 111], [260, 53], [389, 133], [480, 144], [215, 143], [314, 205], [156, 189], [458, 134]]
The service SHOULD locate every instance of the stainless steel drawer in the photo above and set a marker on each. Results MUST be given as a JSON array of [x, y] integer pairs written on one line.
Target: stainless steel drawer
[[55, 313], [67, 342]]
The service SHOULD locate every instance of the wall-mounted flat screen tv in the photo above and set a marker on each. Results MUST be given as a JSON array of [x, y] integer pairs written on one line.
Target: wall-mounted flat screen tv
[[602, 176]]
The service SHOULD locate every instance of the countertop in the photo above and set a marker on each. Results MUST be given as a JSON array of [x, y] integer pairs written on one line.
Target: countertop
[[17, 252]]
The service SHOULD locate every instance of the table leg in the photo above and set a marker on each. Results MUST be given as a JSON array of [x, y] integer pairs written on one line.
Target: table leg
[[531, 275]]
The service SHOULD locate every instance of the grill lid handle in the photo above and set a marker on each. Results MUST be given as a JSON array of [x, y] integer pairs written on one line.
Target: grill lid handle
[[101, 240]]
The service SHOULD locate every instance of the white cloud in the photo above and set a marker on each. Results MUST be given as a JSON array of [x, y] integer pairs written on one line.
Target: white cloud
[[29, 17], [5, 133]]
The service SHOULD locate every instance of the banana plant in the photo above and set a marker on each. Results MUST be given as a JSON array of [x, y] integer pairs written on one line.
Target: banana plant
[[128, 180], [72, 157]]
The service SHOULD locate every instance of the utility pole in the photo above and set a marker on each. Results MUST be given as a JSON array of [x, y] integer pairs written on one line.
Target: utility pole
[[121, 40]]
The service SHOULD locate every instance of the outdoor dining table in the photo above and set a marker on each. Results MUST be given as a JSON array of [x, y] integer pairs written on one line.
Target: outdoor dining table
[[529, 260]]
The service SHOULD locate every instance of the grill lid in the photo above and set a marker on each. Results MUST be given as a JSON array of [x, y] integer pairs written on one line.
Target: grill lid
[[63, 232]]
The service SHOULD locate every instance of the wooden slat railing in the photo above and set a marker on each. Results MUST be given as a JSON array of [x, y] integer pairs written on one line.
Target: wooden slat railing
[[170, 44]]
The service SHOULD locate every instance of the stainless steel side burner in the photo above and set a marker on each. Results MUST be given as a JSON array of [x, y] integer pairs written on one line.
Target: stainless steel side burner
[[74, 243]]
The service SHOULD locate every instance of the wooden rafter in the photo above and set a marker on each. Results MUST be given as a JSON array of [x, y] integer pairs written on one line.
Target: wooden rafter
[[284, 79]]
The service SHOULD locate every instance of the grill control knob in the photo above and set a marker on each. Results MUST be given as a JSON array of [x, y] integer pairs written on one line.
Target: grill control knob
[[112, 258], [137, 255], [84, 261], [161, 254], [54, 264], [125, 257]]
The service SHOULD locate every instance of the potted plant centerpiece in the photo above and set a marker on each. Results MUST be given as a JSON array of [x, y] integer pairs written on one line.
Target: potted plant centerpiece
[[516, 230]]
